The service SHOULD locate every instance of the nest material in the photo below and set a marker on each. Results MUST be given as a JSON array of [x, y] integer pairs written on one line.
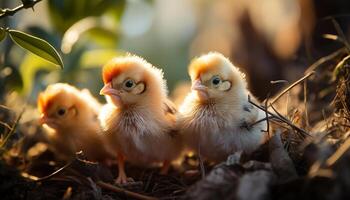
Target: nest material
[[306, 157]]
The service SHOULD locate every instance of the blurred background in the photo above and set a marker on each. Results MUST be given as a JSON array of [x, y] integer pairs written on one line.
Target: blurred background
[[269, 40]]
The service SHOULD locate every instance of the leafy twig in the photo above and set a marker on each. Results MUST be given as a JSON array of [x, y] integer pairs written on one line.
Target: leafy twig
[[10, 12]]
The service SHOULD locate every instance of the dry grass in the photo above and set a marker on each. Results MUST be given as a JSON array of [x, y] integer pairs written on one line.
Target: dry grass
[[308, 159]]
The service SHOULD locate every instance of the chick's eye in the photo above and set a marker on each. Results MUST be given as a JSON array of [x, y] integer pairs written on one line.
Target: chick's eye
[[61, 111], [129, 84], [216, 80]]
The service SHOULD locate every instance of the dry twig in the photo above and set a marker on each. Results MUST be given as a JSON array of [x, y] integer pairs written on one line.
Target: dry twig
[[26, 4], [123, 191], [291, 86], [341, 34], [55, 172], [280, 117], [12, 130], [201, 164], [325, 59]]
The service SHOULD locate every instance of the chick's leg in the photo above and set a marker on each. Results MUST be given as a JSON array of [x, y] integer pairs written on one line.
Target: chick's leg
[[165, 168], [122, 178]]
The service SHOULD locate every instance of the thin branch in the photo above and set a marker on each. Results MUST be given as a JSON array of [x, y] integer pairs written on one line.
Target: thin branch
[[5, 107], [287, 121], [261, 120], [338, 153], [267, 116], [278, 81], [12, 130], [283, 81], [325, 59], [10, 12], [55, 172], [201, 164], [279, 117], [128, 193], [341, 34], [291, 86], [305, 105], [6, 125], [279, 124], [329, 17]]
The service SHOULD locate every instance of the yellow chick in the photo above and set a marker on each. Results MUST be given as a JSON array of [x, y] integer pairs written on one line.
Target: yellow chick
[[70, 117], [138, 118], [216, 115]]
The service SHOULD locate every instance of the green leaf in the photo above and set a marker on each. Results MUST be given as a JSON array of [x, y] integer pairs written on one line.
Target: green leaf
[[29, 67], [97, 58], [37, 46], [2, 34]]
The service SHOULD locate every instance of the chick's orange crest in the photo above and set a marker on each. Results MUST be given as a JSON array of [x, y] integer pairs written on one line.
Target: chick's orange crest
[[204, 64], [44, 102], [119, 65], [110, 70]]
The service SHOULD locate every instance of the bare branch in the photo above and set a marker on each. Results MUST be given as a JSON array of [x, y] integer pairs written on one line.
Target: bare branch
[[128, 193], [280, 117], [10, 12], [341, 34], [12, 130], [325, 59], [291, 86]]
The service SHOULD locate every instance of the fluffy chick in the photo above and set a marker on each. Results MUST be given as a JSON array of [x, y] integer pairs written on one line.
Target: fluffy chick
[[216, 115], [139, 118], [70, 117]]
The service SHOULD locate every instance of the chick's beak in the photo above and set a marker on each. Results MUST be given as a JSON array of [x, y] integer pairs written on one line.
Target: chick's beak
[[108, 90], [43, 119], [200, 88], [112, 93]]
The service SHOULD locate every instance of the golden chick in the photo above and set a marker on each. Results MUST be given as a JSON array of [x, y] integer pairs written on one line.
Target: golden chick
[[71, 119], [216, 115], [138, 118]]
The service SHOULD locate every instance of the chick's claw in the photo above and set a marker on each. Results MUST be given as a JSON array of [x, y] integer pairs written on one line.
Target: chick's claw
[[165, 168], [122, 179]]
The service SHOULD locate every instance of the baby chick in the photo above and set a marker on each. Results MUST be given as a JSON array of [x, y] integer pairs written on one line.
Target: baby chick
[[71, 120], [139, 118], [216, 115]]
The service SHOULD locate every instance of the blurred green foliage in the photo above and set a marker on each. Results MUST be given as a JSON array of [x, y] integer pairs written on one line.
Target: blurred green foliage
[[86, 35], [65, 13], [2, 34]]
